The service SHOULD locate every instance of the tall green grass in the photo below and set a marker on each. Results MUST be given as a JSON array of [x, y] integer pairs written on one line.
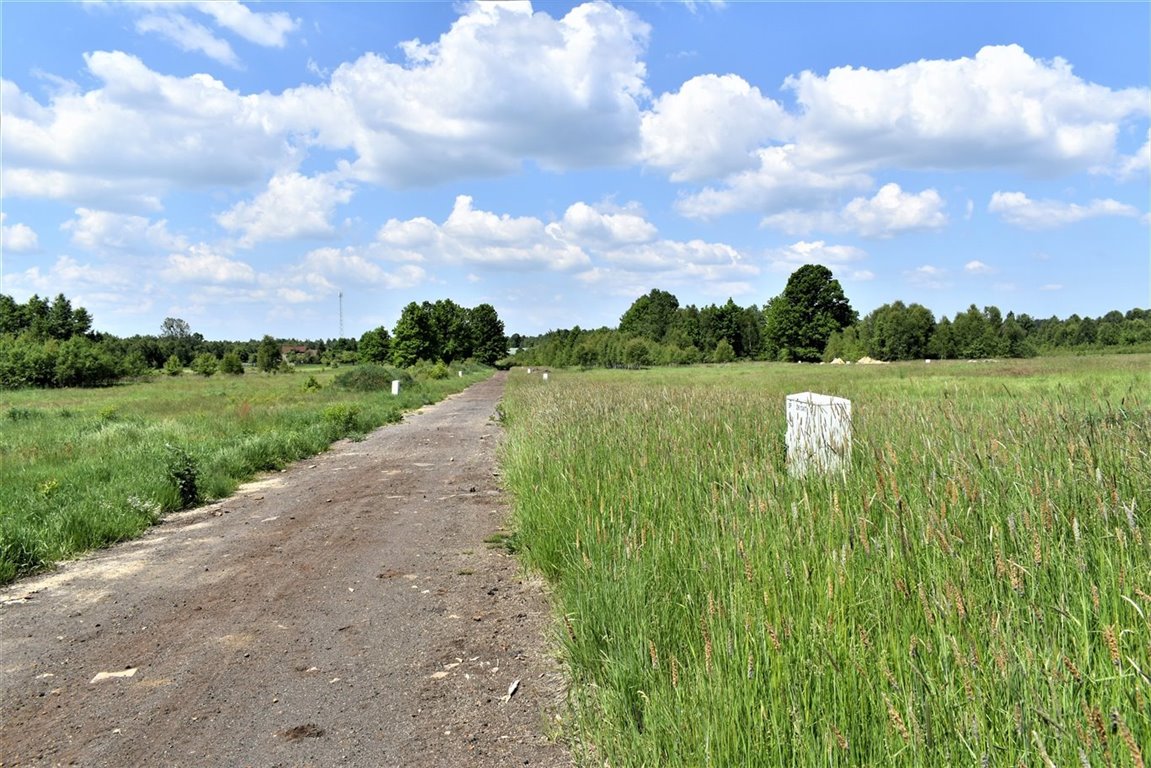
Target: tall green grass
[[975, 590], [85, 468]]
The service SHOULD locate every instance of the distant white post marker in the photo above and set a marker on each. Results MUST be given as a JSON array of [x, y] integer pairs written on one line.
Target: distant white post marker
[[395, 386]]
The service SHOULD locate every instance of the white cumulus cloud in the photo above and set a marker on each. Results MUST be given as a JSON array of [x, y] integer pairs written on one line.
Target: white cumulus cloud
[[976, 267], [889, 212], [587, 225], [292, 206], [469, 235], [789, 258], [466, 104], [1000, 108], [103, 230], [782, 181], [202, 263], [17, 238], [711, 127], [135, 137], [1017, 209]]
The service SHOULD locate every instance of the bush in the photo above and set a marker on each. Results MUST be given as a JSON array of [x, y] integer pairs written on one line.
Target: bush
[[184, 474], [232, 365], [427, 370], [371, 378], [205, 364], [344, 419], [173, 366]]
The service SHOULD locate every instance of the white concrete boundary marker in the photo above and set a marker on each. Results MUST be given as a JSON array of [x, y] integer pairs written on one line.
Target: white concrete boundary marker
[[818, 433], [395, 386]]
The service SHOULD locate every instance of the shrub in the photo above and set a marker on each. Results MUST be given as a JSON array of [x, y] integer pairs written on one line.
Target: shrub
[[205, 364], [427, 370], [184, 474], [344, 419], [173, 366], [232, 365], [371, 378]]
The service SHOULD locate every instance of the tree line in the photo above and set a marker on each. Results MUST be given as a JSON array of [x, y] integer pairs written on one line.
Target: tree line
[[811, 320], [50, 343]]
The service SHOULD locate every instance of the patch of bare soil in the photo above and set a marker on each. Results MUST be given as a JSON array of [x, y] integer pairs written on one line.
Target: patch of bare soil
[[343, 612]]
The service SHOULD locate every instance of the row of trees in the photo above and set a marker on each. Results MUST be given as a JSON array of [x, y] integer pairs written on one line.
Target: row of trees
[[442, 331], [812, 320], [51, 344]]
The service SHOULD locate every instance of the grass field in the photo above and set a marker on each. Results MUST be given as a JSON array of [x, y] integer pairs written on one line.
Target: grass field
[[83, 468], [974, 590]]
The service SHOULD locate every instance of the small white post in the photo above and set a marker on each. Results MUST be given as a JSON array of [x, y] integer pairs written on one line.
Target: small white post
[[529, 370], [545, 375], [818, 433], [395, 386], [461, 374]]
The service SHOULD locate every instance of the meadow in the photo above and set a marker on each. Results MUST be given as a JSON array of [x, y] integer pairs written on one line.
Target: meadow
[[974, 589], [84, 468]]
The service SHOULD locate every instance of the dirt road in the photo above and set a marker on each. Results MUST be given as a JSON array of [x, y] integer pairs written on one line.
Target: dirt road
[[345, 612]]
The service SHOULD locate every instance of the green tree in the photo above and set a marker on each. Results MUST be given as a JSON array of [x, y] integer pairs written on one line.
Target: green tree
[[489, 342], [637, 353], [205, 364], [942, 344], [177, 339], [231, 364], [173, 366], [798, 322], [724, 352], [375, 346], [451, 332], [268, 355], [412, 338], [898, 332], [650, 316], [82, 363]]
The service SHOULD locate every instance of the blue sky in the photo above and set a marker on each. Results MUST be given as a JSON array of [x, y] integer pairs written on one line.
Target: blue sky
[[241, 166]]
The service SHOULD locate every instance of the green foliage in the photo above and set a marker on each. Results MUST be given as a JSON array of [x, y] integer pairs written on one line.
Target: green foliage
[[268, 355], [897, 332], [724, 352], [650, 316], [231, 364], [426, 370], [83, 363], [371, 378], [637, 354], [375, 346], [183, 473], [801, 319], [344, 419], [312, 385], [487, 335], [42, 320], [448, 332], [173, 366], [205, 364]]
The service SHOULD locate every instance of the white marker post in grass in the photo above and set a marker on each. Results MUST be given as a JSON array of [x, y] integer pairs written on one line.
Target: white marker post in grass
[[395, 386], [545, 375], [818, 433]]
